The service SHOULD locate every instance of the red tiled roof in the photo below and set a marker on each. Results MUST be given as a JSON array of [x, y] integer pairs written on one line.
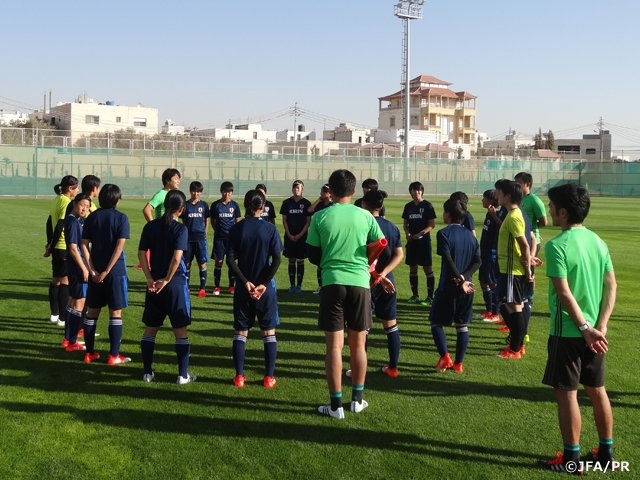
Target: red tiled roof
[[429, 79], [548, 154], [423, 92], [465, 95]]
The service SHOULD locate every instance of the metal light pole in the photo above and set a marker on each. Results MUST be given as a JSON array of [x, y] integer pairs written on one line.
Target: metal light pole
[[407, 10]]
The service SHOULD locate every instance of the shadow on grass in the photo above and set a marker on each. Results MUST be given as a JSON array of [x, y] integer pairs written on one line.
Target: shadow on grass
[[319, 434]]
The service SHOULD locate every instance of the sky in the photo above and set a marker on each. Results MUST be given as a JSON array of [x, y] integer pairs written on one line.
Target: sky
[[551, 65]]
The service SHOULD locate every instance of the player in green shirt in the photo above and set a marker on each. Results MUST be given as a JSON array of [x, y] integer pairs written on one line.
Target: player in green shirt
[[582, 294], [337, 242], [532, 205]]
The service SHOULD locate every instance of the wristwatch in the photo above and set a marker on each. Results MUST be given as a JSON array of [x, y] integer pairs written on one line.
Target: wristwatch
[[583, 327]]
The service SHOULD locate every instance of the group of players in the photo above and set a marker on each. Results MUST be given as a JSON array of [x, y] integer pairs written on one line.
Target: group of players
[[89, 272]]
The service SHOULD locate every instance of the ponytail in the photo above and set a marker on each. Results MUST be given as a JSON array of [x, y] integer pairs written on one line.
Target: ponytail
[[173, 202], [253, 201], [374, 199], [67, 182]]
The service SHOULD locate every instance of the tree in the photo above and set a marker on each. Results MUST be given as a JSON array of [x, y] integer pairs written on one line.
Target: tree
[[6, 163], [538, 140], [551, 141]]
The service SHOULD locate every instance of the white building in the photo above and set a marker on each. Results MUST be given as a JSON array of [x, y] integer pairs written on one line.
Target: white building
[[7, 116], [347, 133], [241, 132], [511, 141], [290, 136], [170, 128], [85, 116]]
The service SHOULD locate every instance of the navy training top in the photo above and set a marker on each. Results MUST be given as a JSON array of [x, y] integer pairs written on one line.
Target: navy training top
[[103, 228], [296, 213], [223, 217], [193, 218], [392, 234], [460, 243], [418, 216], [73, 234], [269, 212], [162, 240]]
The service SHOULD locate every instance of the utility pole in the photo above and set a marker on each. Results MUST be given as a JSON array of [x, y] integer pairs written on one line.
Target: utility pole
[[296, 113], [601, 131]]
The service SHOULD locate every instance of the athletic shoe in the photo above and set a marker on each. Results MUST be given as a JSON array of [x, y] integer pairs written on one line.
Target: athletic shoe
[[502, 323], [357, 407], [76, 347], [491, 318], [238, 381], [592, 456], [347, 373], [522, 351], [317, 291], [54, 318], [202, 293], [90, 357], [414, 299], [60, 323], [504, 330], [216, 291], [526, 338], [231, 290], [457, 367], [495, 318], [292, 289], [507, 353], [444, 363], [269, 382], [139, 267], [298, 289], [427, 302], [147, 377], [486, 314], [81, 333], [392, 372], [508, 340], [558, 465], [117, 360], [190, 378], [326, 410], [65, 343]]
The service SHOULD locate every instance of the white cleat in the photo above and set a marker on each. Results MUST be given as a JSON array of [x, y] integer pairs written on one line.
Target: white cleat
[[326, 410], [190, 378], [148, 377], [357, 407]]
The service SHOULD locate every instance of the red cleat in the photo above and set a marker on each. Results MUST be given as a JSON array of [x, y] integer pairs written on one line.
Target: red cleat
[[232, 290], [139, 267], [392, 372], [238, 381], [508, 354], [65, 343], [444, 363], [216, 291], [81, 333], [90, 357], [117, 360], [457, 367], [501, 323], [202, 293], [269, 382], [76, 347], [504, 329]]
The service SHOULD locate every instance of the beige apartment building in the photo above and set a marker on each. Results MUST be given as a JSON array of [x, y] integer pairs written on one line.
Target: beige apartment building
[[434, 107]]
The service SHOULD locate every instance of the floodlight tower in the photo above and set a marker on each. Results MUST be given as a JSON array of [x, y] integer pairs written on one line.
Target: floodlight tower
[[407, 10]]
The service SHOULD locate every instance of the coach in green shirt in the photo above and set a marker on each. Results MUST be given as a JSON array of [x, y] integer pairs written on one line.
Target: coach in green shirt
[[532, 205]]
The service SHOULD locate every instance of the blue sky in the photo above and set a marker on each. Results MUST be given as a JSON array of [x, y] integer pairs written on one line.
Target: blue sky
[[556, 65]]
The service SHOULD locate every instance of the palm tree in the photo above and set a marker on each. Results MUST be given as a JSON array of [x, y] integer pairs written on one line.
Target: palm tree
[[6, 163]]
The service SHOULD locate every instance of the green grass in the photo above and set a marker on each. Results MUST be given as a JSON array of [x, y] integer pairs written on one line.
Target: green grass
[[61, 418]]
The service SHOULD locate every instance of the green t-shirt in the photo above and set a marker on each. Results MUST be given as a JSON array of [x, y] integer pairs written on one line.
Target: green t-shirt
[[59, 212], [508, 248], [534, 208], [342, 232], [157, 202], [581, 257]]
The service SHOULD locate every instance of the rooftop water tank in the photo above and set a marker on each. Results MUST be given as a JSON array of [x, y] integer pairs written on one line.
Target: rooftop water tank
[[110, 103]]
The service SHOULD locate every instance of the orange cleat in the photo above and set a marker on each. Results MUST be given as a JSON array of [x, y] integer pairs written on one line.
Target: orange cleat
[[90, 357], [76, 347], [504, 329], [457, 367], [508, 354], [392, 372], [65, 343], [444, 363], [202, 293], [117, 360]]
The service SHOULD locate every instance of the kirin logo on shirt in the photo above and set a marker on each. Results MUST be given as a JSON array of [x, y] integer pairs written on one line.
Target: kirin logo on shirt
[[231, 210], [302, 206], [266, 209], [199, 209], [422, 210]]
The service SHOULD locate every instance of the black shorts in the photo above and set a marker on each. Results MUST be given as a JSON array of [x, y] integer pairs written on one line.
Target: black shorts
[[570, 363], [295, 249], [344, 304], [58, 263], [511, 288], [245, 309], [419, 253], [451, 307], [173, 301]]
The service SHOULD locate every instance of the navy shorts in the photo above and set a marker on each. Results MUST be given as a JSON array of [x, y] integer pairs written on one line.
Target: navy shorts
[[112, 292], [172, 301], [383, 304], [245, 309], [77, 287], [58, 263], [571, 363], [198, 251], [295, 249], [451, 307], [488, 272], [221, 248], [419, 253]]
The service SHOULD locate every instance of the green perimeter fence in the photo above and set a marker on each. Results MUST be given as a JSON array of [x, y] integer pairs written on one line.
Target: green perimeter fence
[[33, 171]]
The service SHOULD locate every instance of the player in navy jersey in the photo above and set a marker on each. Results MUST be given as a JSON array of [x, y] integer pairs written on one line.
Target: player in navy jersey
[[224, 215], [369, 184], [468, 223], [269, 213], [256, 246], [296, 219], [488, 274], [77, 271], [453, 302], [195, 217], [383, 304], [323, 201], [106, 230], [167, 288], [418, 221]]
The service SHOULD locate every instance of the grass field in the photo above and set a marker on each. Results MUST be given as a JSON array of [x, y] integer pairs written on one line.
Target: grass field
[[61, 418]]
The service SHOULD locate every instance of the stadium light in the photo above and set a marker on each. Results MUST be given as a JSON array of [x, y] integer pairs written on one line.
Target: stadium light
[[407, 10]]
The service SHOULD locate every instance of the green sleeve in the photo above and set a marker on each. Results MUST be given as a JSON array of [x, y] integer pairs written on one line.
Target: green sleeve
[[313, 238], [157, 199], [556, 264], [538, 209]]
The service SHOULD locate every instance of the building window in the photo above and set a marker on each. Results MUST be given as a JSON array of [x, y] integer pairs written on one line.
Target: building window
[[591, 151], [414, 120], [118, 119], [52, 121], [139, 122], [92, 119], [423, 102], [255, 135], [569, 148], [392, 122]]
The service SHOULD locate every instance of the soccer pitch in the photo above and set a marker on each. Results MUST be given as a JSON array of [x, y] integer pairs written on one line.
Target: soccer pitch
[[62, 418]]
